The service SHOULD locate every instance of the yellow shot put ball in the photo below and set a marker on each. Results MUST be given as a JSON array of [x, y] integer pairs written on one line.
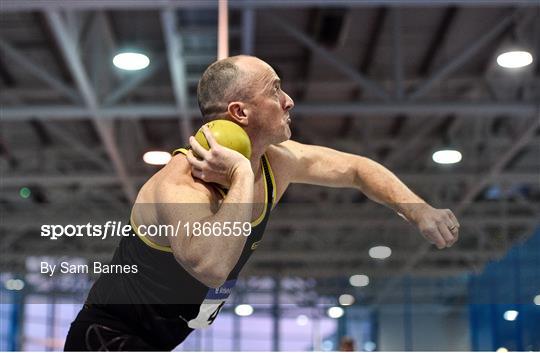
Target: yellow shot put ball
[[227, 134]]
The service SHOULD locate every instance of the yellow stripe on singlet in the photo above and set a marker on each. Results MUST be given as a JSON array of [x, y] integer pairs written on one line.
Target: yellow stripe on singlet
[[180, 150], [146, 240], [261, 217], [274, 188]]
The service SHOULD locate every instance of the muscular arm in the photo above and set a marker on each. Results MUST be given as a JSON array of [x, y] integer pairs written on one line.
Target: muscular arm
[[208, 258], [181, 197], [324, 166]]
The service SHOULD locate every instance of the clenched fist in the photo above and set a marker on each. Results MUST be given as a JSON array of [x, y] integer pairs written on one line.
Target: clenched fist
[[438, 226]]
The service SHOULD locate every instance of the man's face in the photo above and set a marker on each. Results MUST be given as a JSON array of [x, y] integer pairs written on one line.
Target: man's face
[[271, 105]]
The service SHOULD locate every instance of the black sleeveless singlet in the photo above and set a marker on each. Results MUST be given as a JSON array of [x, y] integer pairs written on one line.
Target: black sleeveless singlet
[[163, 302]]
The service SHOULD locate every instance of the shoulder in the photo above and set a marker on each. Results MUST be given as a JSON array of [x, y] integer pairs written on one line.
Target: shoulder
[[290, 154], [285, 151], [172, 192], [284, 160], [174, 183]]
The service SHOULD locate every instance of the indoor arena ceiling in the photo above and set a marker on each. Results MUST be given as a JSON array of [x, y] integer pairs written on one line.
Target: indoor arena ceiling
[[393, 83]]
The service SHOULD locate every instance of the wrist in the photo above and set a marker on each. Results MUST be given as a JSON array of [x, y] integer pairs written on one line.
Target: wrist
[[413, 211], [242, 171]]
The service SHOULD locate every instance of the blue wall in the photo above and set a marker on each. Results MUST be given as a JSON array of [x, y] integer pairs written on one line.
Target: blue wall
[[508, 284]]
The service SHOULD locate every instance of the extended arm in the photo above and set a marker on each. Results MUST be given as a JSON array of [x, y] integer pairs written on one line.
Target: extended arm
[[324, 166]]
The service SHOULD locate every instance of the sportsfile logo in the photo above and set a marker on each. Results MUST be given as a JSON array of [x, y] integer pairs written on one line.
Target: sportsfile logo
[[110, 228], [119, 229]]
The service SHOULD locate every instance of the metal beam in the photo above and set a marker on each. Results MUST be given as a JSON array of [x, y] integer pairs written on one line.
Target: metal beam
[[305, 62], [73, 24], [525, 137], [337, 255], [343, 67], [109, 179], [366, 61], [341, 84], [438, 40], [363, 223], [62, 134], [374, 37], [248, 31], [22, 60], [468, 53], [6, 76], [65, 136], [72, 58], [104, 129], [177, 68], [154, 111], [33, 5], [412, 108], [417, 137], [398, 62]]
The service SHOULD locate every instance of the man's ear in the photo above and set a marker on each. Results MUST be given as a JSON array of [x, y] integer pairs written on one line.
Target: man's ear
[[238, 113]]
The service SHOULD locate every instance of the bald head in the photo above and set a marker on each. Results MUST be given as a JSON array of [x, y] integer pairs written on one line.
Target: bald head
[[227, 80], [224, 81]]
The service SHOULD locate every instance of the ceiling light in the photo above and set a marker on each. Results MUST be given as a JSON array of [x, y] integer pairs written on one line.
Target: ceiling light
[[514, 59], [346, 299], [447, 156], [502, 350], [380, 252], [14, 284], [537, 300], [335, 312], [131, 61], [359, 280], [370, 346], [510, 315], [157, 157], [302, 320], [243, 310], [327, 345]]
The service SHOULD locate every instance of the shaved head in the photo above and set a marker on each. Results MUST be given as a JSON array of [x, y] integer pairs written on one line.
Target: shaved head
[[222, 82]]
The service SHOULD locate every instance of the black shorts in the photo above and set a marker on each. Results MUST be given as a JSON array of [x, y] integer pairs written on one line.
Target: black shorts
[[99, 329]]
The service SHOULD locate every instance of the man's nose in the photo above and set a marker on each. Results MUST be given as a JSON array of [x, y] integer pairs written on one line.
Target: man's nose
[[289, 103]]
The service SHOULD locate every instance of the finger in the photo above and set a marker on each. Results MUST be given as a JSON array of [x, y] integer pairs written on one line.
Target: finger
[[197, 148], [439, 243], [455, 233], [193, 161], [456, 236], [209, 137], [446, 234], [436, 238], [453, 218], [454, 230], [197, 173]]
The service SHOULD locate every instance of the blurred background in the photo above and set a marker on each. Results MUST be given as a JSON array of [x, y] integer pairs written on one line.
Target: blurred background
[[444, 93]]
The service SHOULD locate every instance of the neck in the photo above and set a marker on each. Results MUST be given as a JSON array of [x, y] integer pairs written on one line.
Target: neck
[[256, 154]]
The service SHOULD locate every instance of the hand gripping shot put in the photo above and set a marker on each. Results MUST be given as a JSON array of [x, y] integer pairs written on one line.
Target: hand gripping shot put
[[236, 170]]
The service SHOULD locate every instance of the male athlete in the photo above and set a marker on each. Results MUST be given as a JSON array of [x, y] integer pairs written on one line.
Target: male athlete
[[183, 281]]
